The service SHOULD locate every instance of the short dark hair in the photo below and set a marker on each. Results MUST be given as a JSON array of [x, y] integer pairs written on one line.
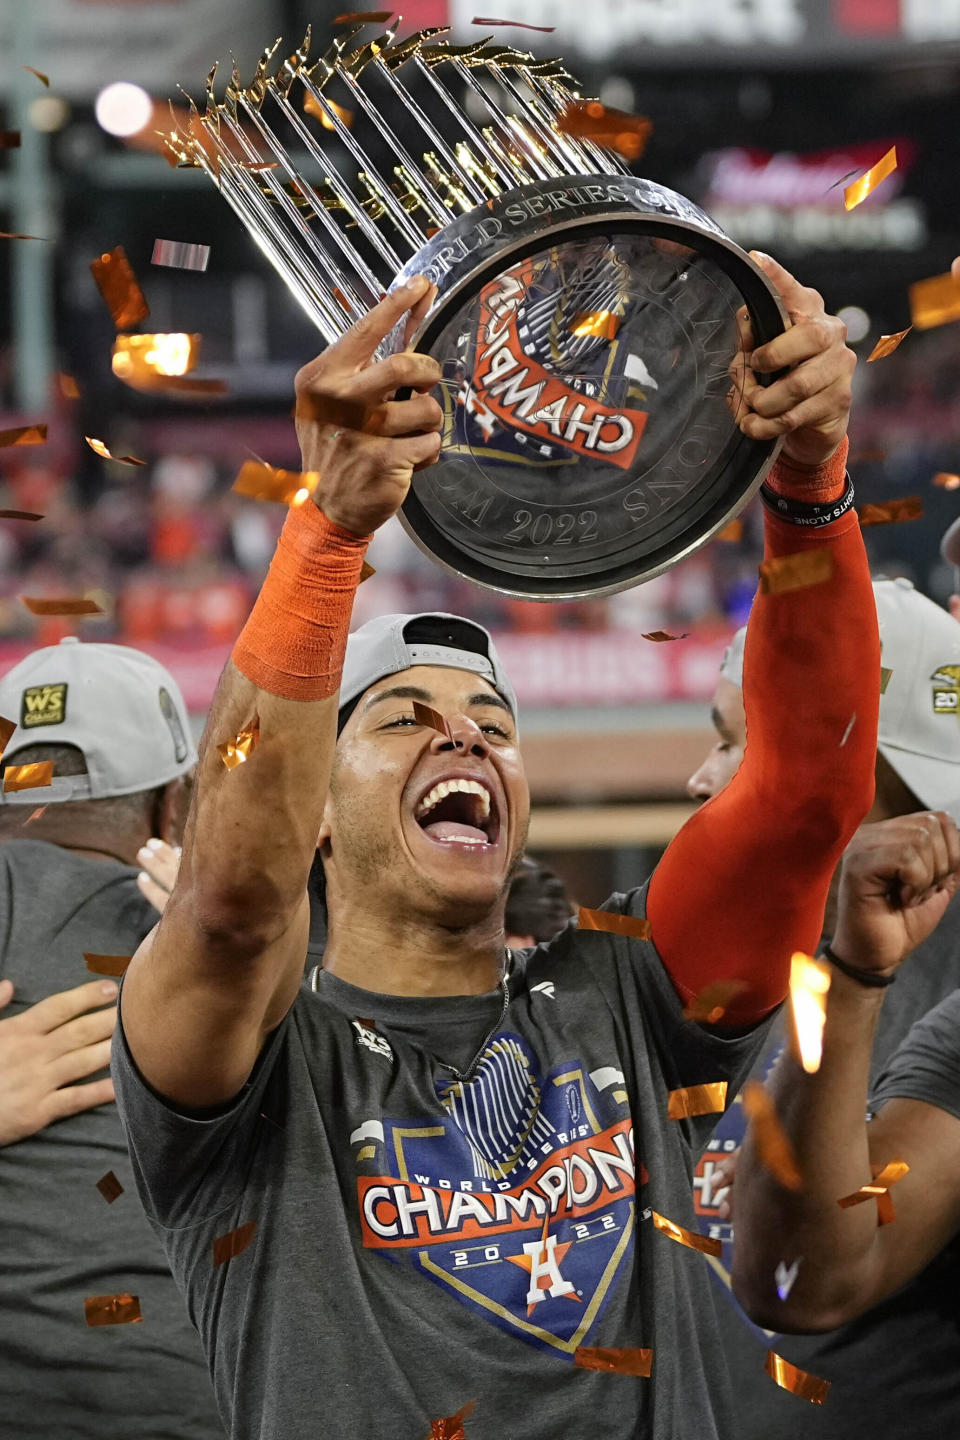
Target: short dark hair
[[538, 903], [114, 813]]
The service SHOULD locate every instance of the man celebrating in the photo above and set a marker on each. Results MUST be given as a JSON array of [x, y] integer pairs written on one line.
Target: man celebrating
[[423, 1186]]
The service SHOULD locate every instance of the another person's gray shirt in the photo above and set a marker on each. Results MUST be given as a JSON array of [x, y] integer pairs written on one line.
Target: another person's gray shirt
[[60, 1242], [422, 1242]]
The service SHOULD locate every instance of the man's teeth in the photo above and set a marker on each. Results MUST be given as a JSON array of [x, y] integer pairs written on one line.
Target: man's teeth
[[452, 787]]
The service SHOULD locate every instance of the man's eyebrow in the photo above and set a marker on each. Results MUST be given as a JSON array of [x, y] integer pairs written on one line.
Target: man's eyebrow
[[416, 692], [718, 724]]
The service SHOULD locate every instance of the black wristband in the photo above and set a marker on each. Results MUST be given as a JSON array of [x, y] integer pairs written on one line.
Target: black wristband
[[870, 978], [804, 514]]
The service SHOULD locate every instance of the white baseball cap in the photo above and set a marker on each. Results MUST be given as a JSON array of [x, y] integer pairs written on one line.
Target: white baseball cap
[[950, 547], [919, 732], [120, 707], [920, 707]]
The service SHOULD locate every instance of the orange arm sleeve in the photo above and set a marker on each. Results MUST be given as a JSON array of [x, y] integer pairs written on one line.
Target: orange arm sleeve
[[745, 882]]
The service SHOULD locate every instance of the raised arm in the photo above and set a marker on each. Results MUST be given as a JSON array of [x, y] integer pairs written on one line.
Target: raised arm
[[223, 966], [898, 878], [745, 882]]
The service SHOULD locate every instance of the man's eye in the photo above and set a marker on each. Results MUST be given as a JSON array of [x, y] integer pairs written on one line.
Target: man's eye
[[400, 720], [492, 729]]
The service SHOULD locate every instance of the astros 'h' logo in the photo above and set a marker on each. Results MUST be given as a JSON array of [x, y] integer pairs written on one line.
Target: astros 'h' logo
[[946, 690]]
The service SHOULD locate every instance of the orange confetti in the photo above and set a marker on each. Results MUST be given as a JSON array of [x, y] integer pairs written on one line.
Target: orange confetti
[[432, 719], [613, 129], [312, 106], [117, 283], [101, 450], [69, 388], [774, 1150], [686, 1237], [61, 605], [887, 344], [27, 777], [35, 814], [451, 1427], [109, 1187], [238, 750], [331, 410], [885, 676], [731, 533], [946, 481], [623, 1361], [19, 515], [258, 481], [796, 572], [16, 235], [115, 965], [856, 193], [7, 728], [9, 139], [44, 79], [365, 572], [112, 1310], [891, 512], [879, 1190], [516, 24], [614, 924], [602, 324], [161, 362], [227, 1247], [690, 1100], [799, 1382], [710, 1005], [935, 301], [23, 435], [660, 635], [809, 983]]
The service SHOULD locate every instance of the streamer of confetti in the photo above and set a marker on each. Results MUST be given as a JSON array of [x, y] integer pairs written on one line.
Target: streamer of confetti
[[621, 1361], [887, 344], [856, 193], [432, 719], [799, 1382], [99, 448], [114, 278], [690, 1238], [690, 1100], [7, 728], [229, 1246], [61, 605], [611, 129], [27, 777], [112, 1310], [259, 481], [796, 572], [774, 1150], [451, 1427], [891, 512], [614, 924], [114, 965], [23, 435], [935, 301], [661, 635], [109, 1187], [711, 1004], [238, 750]]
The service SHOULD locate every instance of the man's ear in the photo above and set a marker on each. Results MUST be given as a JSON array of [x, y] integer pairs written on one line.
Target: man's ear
[[326, 826], [172, 808], [955, 606]]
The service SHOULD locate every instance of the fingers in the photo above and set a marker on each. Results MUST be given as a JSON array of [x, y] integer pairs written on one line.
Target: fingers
[[76, 1098], [404, 417], [800, 300], [66, 1005], [85, 1030], [357, 347], [822, 334], [79, 1064], [161, 861], [808, 381], [931, 858], [6, 992], [150, 890], [955, 268], [407, 369], [418, 449], [823, 409], [418, 314]]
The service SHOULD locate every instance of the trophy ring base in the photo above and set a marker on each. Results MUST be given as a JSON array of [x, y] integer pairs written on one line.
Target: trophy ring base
[[585, 329]]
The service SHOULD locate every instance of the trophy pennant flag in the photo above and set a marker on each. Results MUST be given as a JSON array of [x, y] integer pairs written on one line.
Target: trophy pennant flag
[[585, 318]]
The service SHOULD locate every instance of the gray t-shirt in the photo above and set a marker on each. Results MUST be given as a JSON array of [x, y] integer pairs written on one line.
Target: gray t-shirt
[[423, 1242], [895, 1372], [60, 1242]]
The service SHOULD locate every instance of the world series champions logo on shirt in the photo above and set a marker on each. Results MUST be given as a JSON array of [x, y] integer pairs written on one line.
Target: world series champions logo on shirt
[[520, 1202]]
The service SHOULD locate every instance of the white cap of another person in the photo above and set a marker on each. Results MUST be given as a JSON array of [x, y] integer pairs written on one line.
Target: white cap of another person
[[118, 706], [920, 706], [919, 733]]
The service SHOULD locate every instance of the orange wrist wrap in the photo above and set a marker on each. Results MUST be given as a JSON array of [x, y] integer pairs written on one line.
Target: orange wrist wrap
[[816, 484], [293, 643]]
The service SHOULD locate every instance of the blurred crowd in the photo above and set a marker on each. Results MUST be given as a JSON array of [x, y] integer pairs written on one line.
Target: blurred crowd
[[173, 556]]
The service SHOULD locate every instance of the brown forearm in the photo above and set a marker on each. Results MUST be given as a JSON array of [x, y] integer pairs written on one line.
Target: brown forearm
[[824, 1117]]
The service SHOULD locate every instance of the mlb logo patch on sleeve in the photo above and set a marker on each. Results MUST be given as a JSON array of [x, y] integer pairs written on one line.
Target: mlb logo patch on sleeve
[[43, 705]]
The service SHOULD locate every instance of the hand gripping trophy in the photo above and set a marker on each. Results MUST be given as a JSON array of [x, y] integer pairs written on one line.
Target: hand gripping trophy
[[585, 319]]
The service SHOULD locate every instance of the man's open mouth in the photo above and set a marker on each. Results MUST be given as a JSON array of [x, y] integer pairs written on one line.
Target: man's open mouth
[[463, 811]]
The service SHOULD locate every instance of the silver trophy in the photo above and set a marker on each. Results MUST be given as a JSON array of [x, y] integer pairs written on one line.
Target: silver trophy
[[585, 319]]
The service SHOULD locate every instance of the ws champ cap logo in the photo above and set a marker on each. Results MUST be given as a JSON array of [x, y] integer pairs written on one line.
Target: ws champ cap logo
[[43, 705], [946, 690]]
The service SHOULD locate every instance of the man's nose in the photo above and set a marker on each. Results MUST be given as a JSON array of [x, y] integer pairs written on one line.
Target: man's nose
[[467, 737], [700, 786]]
